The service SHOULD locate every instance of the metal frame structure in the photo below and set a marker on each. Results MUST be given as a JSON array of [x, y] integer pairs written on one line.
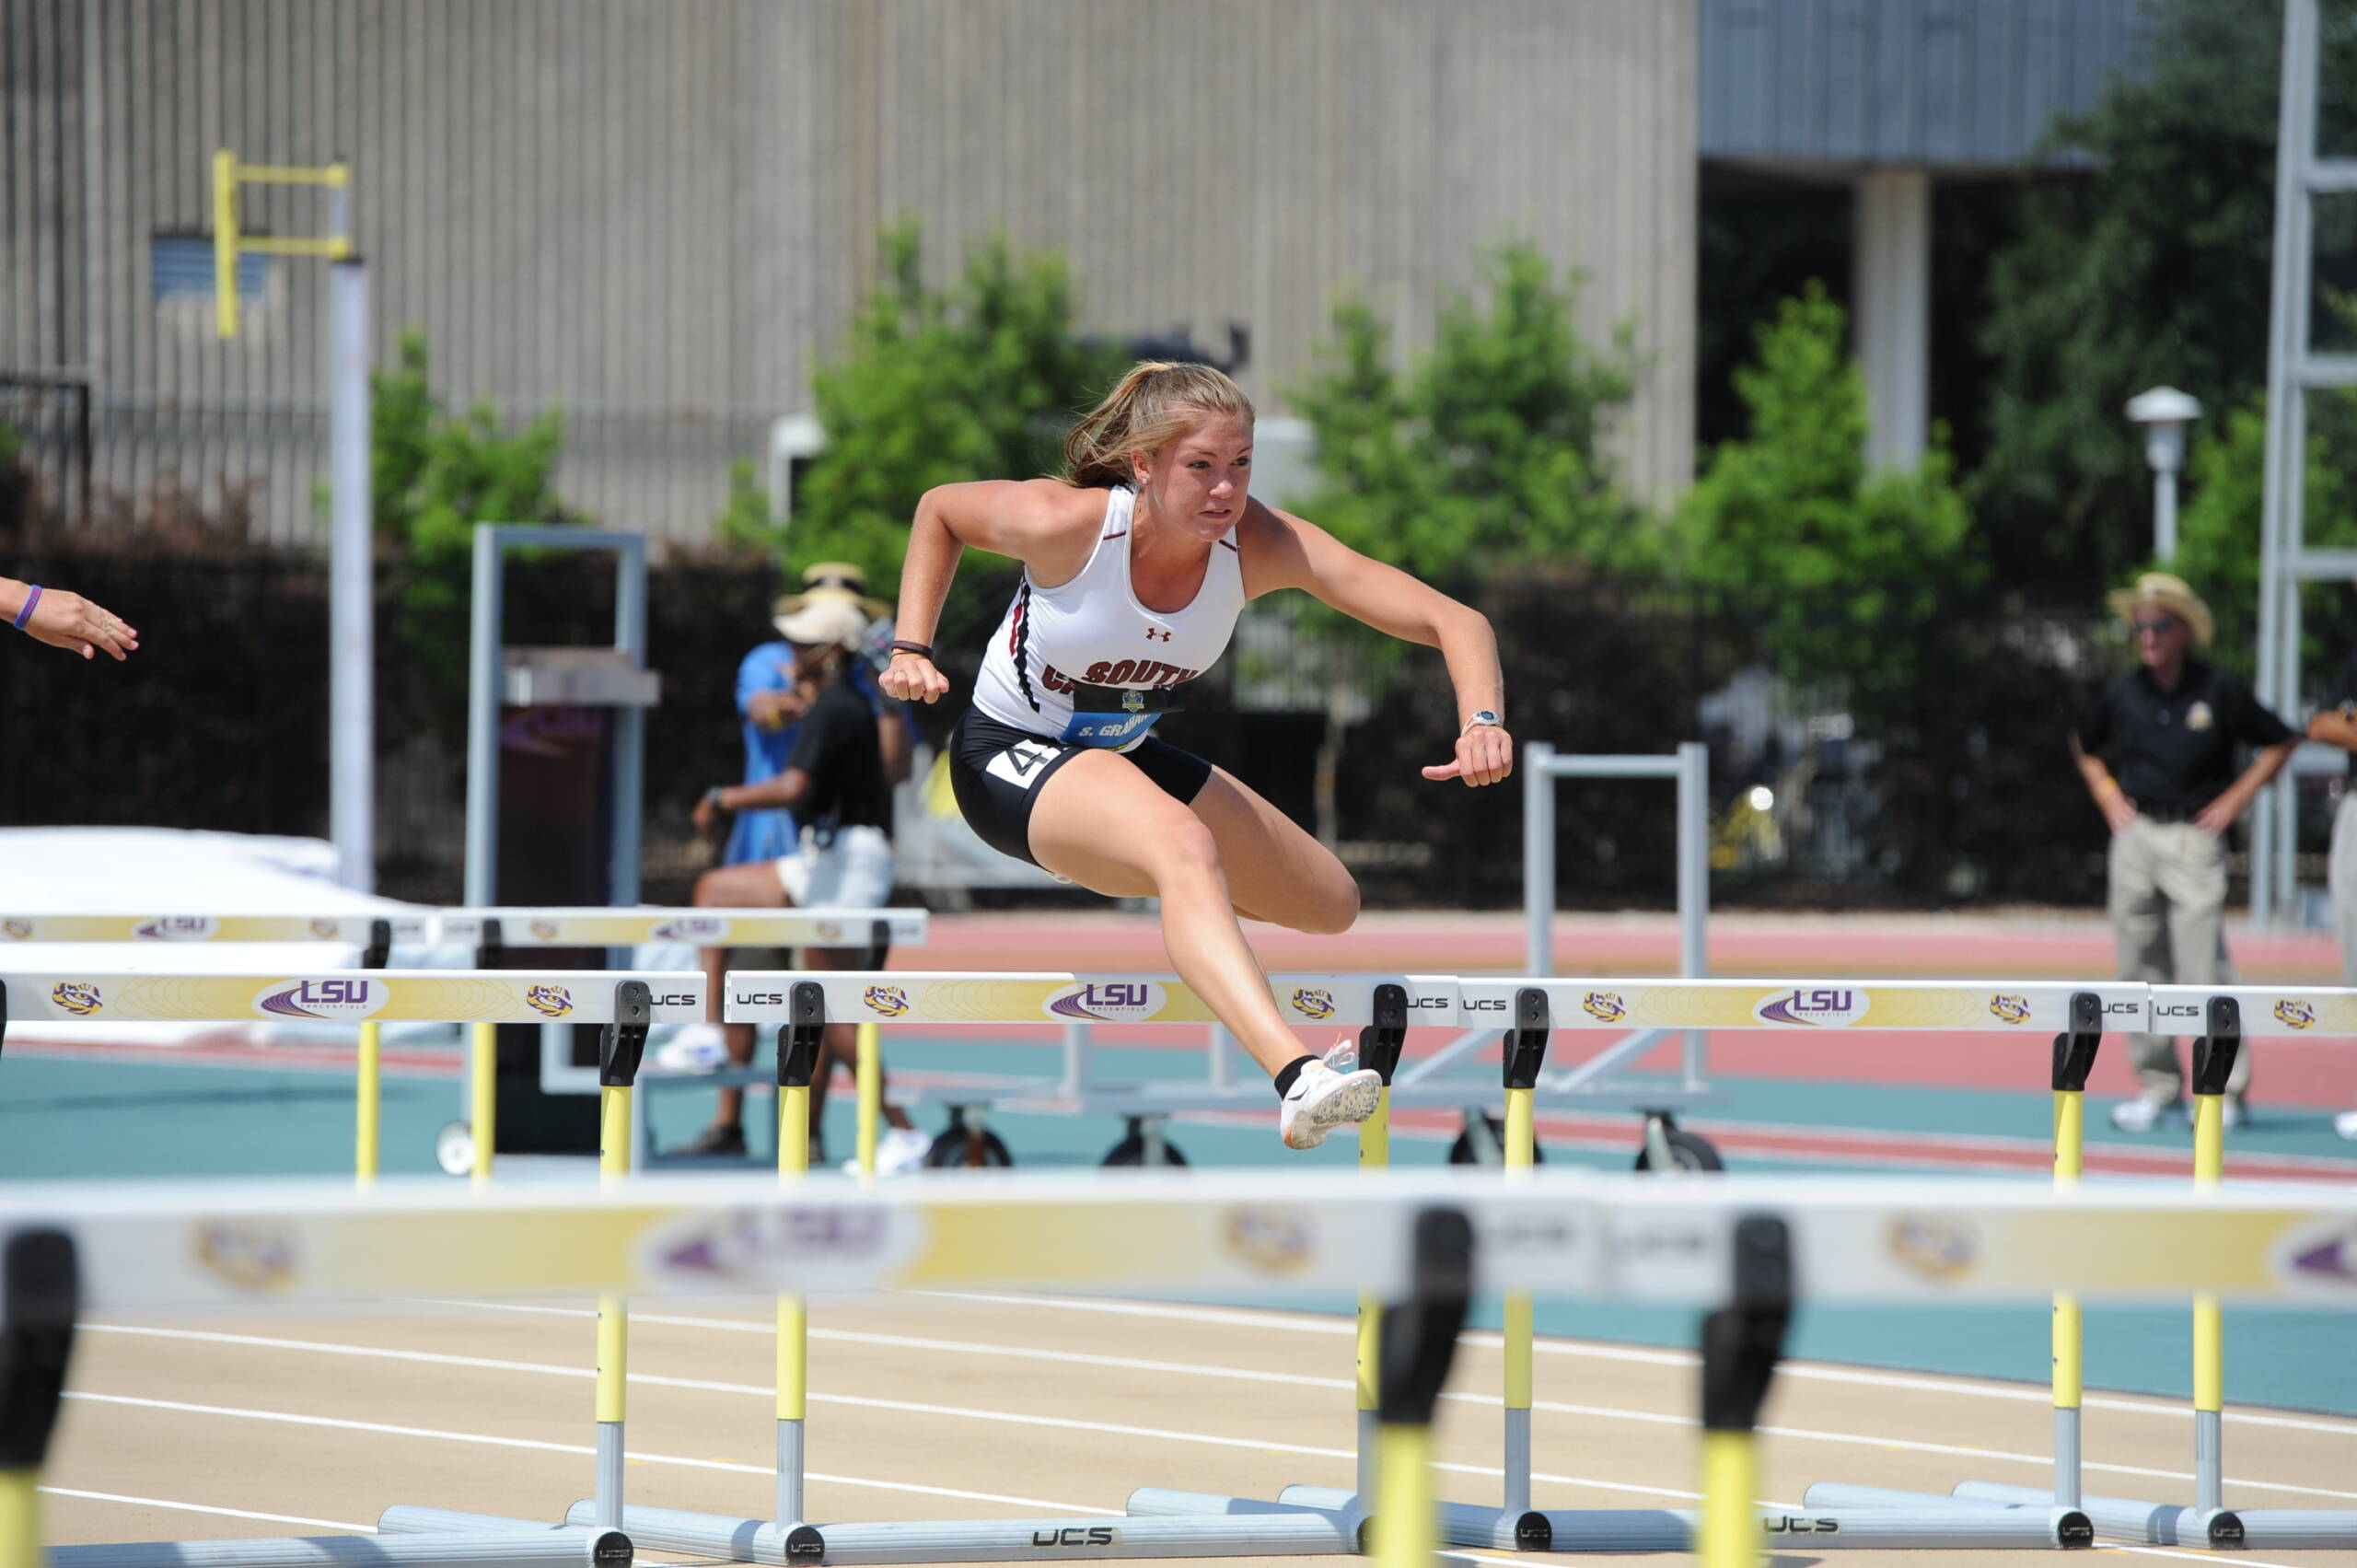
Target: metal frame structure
[[2286, 559]]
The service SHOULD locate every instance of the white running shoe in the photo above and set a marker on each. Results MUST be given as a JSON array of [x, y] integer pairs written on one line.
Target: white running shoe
[[900, 1151], [1344, 1054], [2346, 1125], [1322, 1100], [697, 1048], [2144, 1116]]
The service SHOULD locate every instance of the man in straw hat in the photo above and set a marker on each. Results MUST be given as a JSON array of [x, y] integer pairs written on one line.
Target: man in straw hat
[[2335, 723], [2168, 730]]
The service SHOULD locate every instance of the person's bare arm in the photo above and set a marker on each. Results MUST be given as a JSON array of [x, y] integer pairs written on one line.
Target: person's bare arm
[[1049, 527], [2335, 727], [63, 619], [2110, 798], [2219, 814], [1282, 551]]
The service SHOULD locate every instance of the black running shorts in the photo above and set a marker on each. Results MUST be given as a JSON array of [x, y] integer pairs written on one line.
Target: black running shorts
[[996, 771]]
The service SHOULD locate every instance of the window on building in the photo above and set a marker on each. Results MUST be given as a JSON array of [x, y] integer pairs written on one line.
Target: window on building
[[183, 272]]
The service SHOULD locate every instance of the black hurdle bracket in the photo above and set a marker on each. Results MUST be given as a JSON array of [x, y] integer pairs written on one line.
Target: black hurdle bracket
[[880, 942], [1743, 1341], [622, 1042], [1419, 1334], [379, 950], [3, 1015], [39, 1292], [1526, 1043], [2074, 1048], [2220, 1042], [491, 947], [798, 1038], [1380, 1041]]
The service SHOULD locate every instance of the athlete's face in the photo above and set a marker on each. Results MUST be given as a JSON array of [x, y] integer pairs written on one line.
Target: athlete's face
[[1196, 481]]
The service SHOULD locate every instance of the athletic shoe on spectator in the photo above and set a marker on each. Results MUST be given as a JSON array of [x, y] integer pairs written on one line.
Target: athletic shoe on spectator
[[697, 1048], [1322, 1100], [2144, 1116], [2346, 1125], [899, 1152]]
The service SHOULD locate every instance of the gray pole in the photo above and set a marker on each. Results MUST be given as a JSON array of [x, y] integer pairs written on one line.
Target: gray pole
[[630, 725], [482, 723], [1538, 857], [351, 713], [2165, 515]]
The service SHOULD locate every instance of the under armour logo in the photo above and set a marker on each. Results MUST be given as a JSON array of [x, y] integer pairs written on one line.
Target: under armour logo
[[1155, 634]]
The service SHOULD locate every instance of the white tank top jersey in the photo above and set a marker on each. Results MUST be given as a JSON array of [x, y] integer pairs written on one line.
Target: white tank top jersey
[[1086, 663]]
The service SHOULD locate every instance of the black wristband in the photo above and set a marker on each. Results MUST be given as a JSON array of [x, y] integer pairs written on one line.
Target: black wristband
[[922, 650], [712, 797]]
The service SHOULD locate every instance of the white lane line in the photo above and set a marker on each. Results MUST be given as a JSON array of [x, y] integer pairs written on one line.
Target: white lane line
[[203, 1508], [379, 1427], [2024, 1393], [1650, 1418]]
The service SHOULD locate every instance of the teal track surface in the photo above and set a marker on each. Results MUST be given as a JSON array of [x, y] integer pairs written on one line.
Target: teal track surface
[[146, 1116]]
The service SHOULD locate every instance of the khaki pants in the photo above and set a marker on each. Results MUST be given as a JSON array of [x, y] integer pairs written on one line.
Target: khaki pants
[[2168, 908]]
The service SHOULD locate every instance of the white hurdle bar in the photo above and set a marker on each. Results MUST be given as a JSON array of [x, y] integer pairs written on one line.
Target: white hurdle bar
[[139, 1246]]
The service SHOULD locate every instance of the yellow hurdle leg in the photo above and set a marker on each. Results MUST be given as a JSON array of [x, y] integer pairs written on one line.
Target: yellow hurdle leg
[[1403, 1499], [871, 1095], [371, 1090], [1730, 1515], [20, 1545], [482, 1115], [1374, 1155]]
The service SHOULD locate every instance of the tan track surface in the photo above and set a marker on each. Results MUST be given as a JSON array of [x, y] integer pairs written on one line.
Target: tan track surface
[[1200, 1400]]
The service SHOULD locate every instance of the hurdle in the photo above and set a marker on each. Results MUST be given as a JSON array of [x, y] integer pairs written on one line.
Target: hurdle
[[493, 931], [374, 935], [2218, 1013], [1423, 1241]]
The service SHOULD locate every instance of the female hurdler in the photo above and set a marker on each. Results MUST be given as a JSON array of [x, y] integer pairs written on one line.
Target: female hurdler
[[1135, 567]]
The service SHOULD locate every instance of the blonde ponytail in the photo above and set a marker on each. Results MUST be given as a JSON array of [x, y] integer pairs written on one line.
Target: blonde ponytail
[[1157, 399]]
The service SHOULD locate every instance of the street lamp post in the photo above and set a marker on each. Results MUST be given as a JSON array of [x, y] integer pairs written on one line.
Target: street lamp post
[[2163, 411]]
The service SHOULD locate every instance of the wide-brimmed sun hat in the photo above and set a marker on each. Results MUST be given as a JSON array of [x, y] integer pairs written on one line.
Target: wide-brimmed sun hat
[[838, 579], [826, 620], [2168, 592]]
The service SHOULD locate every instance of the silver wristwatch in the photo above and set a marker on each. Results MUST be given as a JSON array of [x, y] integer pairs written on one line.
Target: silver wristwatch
[[1485, 717]]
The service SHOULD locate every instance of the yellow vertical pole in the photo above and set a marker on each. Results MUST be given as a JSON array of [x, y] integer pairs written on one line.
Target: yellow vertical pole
[[20, 1519], [614, 1311], [793, 1311], [801, 1054], [224, 242], [1730, 1518], [371, 1101], [871, 1094], [1403, 1512], [483, 1114], [2209, 1325], [1375, 1157], [2070, 1146]]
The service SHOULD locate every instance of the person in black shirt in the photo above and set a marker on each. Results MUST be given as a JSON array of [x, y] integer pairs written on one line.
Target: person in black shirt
[[835, 785], [2169, 728], [2335, 723]]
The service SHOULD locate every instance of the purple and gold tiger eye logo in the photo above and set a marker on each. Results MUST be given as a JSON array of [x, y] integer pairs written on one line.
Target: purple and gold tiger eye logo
[[2295, 1014], [77, 997], [1938, 1246], [17, 930], [326, 930], [1315, 1006], [889, 1000], [546, 930], [1605, 1006], [252, 1257], [1272, 1239], [2010, 1009], [548, 1001]]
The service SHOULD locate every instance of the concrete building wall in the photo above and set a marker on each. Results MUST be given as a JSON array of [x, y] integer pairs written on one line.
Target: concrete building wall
[[661, 216]]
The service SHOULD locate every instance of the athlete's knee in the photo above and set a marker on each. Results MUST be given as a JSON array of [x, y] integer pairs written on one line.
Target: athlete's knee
[[709, 893], [1178, 843], [1334, 908]]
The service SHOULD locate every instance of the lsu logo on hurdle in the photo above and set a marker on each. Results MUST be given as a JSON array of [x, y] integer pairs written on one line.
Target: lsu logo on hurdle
[[17, 930], [546, 930], [177, 928], [1315, 1006], [2010, 1009], [1273, 1241], [1604, 1006], [256, 1258], [1113, 1001], [1829, 1007], [325, 930], [889, 1000], [704, 930], [1937, 1247], [548, 1001], [77, 997], [2295, 1014], [345, 999]]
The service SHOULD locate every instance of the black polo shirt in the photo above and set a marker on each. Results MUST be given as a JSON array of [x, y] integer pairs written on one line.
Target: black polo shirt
[[2342, 695], [838, 747], [2172, 753]]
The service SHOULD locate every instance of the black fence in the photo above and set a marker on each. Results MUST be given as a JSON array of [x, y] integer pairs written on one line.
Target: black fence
[[1951, 785]]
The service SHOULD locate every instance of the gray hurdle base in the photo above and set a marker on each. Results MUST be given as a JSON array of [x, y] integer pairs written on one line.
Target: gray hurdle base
[[2165, 1524], [490, 1549], [1868, 1528], [1286, 1533]]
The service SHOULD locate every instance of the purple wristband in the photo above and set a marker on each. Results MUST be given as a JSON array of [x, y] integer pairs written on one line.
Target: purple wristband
[[26, 613]]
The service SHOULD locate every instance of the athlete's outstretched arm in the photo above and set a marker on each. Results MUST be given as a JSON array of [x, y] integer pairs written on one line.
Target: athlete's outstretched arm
[[1282, 551], [1023, 519]]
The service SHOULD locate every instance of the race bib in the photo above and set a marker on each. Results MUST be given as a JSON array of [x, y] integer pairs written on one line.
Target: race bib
[[1113, 716]]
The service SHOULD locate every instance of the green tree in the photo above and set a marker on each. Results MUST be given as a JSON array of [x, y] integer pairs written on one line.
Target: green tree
[[434, 476], [2153, 268], [1841, 560], [744, 522], [978, 380], [1485, 455]]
